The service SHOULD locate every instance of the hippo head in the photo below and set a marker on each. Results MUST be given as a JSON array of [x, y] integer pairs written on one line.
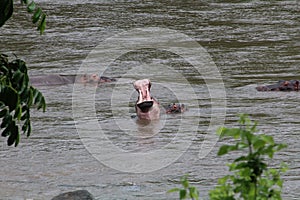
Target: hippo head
[[145, 101], [146, 106], [94, 78], [175, 108]]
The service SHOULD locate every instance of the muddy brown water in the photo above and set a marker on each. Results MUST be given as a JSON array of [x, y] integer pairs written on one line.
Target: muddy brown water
[[251, 43]]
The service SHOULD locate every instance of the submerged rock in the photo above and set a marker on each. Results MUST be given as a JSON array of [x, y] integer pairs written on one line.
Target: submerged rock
[[75, 195]]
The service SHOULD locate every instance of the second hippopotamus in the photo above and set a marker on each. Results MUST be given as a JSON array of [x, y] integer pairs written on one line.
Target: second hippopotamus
[[282, 85], [56, 79], [175, 108]]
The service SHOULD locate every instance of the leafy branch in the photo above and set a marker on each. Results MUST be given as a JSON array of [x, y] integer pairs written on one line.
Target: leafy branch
[[38, 16], [251, 178], [16, 99]]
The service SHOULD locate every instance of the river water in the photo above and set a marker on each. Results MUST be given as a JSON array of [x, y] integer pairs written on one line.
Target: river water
[[89, 138]]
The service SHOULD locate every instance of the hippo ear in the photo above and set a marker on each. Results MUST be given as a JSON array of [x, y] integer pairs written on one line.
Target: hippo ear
[[149, 86]]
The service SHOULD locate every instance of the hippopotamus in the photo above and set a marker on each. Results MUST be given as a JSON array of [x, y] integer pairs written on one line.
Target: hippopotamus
[[175, 108], [147, 108], [282, 85], [48, 80]]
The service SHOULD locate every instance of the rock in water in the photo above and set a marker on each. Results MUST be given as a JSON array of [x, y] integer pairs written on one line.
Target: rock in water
[[75, 195]]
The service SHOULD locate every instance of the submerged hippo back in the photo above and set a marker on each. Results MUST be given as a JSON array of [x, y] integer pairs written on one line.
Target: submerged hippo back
[[282, 85], [48, 80]]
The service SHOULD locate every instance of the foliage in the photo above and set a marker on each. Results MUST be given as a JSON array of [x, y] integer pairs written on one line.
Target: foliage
[[38, 16], [6, 10], [16, 99], [16, 95], [187, 191], [252, 178]]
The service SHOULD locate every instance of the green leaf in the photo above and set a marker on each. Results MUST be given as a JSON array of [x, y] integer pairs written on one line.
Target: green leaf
[[258, 144], [18, 112], [244, 172], [283, 167], [247, 136], [3, 69], [3, 112], [182, 194], [242, 158], [194, 194], [6, 132], [9, 97], [253, 128], [25, 126], [280, 146], [185, 182], [36, 16], [242, 165], [243, 118], [225, 149], [30, 97], [267, 138], [6, 10], [28, 128], [6, 121], [252, 192], [242, 145], [223, 180], [17, 77], [17, 139], [174, 190], [42, 24], [21, 66], [42, 104], [31, 7], [37, 97], [24, 116], [13, 135], [2, 105], [233, 132]]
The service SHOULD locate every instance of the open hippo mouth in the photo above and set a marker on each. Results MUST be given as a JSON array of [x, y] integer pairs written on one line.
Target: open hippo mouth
[[145, 106]]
